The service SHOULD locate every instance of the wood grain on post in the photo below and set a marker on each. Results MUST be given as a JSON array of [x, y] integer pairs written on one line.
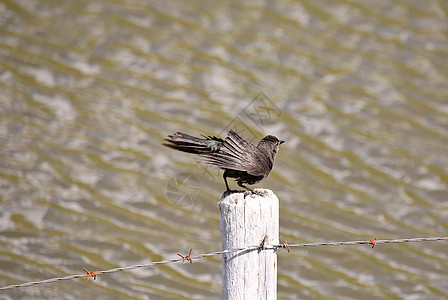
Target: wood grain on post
[[246, 222]]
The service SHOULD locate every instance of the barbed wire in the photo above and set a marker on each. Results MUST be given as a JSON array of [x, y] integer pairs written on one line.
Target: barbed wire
[[190, 258]]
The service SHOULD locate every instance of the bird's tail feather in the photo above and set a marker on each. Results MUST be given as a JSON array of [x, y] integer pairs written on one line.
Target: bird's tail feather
[[191, 144]]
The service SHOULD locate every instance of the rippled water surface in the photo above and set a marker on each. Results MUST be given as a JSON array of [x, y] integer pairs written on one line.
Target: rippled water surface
[[90, 89]]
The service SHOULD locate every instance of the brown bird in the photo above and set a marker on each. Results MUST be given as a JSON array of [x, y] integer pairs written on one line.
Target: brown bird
[[247, 163]]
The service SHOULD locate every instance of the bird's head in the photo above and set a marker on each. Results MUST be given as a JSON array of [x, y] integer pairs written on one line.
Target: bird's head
[[269, 144]]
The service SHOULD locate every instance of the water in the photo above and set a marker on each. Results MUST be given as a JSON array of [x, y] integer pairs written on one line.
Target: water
[[89, 91]]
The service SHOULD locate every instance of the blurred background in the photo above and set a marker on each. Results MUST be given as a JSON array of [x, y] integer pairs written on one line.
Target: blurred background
[[89, 90]]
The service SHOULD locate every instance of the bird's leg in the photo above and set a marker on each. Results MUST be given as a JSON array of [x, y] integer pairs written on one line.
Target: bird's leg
[[225, 181], [250, 190], [227, 185]]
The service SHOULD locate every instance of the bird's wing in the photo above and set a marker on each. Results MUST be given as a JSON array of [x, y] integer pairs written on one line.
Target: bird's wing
[[237, 154]]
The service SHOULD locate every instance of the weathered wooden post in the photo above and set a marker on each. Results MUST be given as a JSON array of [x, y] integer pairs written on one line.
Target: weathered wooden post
[[246, 222]]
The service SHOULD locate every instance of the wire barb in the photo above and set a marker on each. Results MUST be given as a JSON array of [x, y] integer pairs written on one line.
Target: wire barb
[[91, 274], [372, 242], [186, 258], [286, 246], [263, 244]]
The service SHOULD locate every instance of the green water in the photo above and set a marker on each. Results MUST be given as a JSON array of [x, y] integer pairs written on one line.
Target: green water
[[90, 89]]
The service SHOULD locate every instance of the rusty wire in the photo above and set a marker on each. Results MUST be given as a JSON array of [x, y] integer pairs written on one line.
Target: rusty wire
[[190, 258]]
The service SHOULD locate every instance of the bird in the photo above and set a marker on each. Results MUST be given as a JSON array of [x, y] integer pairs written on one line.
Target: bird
[[246, 163]]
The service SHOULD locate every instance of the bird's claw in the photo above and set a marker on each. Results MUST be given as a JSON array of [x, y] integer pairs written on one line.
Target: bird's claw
[[229, 192], [252, 192]]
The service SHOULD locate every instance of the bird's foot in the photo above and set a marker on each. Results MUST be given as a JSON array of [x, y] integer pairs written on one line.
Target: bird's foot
[[252, 192], [229, 191]]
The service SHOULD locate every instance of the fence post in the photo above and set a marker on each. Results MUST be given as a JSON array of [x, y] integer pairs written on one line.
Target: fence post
[[245, 222]]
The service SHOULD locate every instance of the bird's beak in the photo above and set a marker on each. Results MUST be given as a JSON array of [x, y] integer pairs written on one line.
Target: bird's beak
[[281, 142]]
